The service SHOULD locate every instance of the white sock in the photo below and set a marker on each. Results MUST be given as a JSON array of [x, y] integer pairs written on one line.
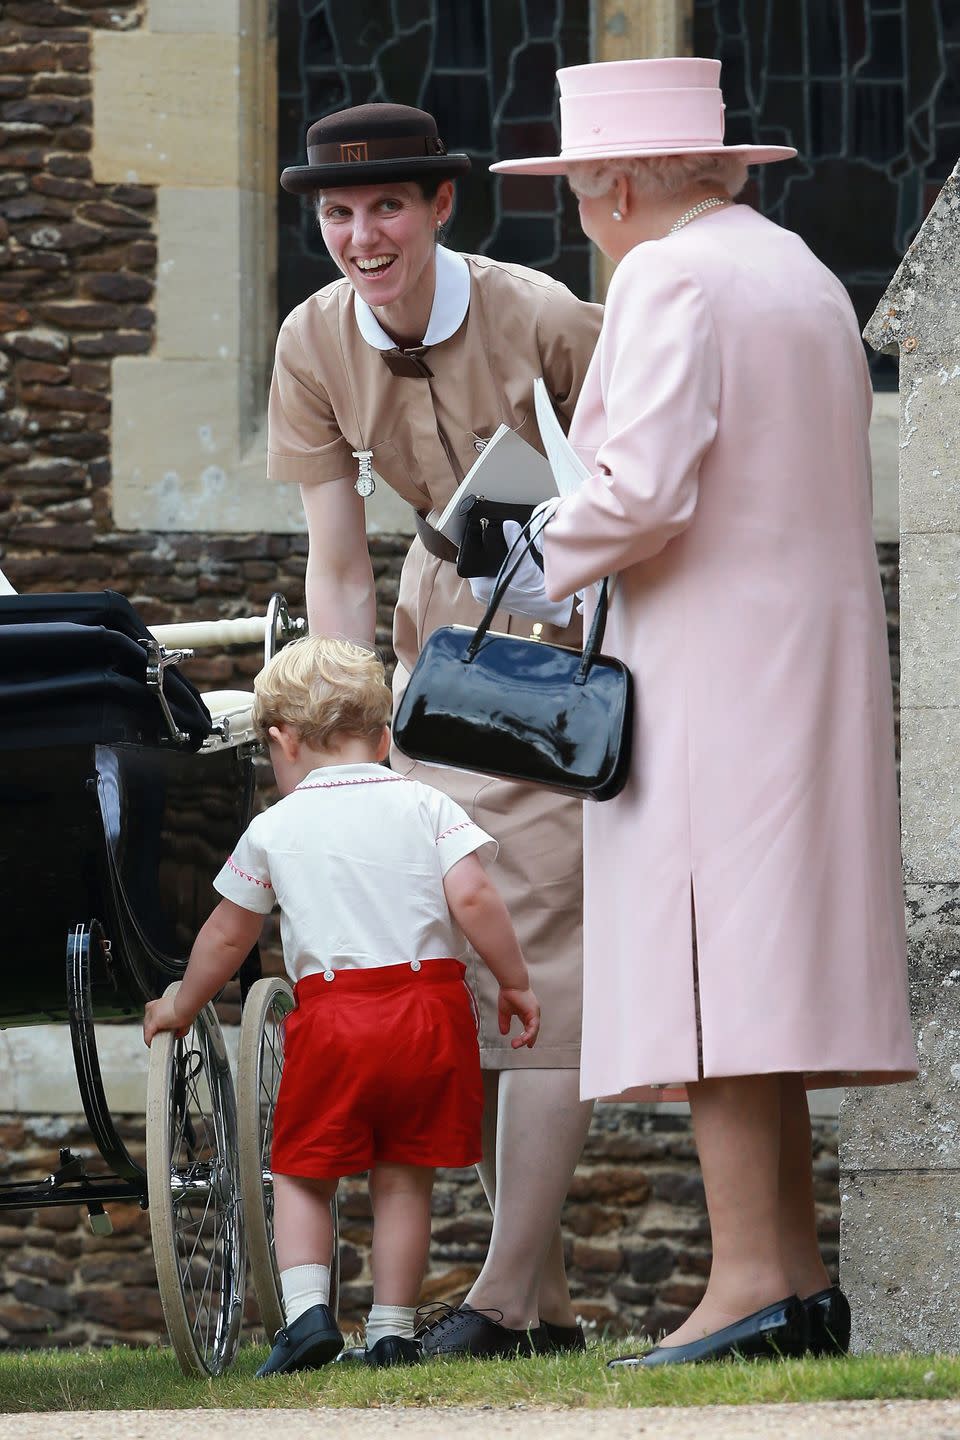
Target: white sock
[[304, 1286], [390, 1320]]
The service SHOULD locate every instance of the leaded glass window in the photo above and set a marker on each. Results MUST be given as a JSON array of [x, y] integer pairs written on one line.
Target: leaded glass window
[[486, 69], [869, 93]]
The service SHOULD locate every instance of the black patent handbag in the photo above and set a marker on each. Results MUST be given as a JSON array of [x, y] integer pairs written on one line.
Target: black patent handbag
[[521, 708]]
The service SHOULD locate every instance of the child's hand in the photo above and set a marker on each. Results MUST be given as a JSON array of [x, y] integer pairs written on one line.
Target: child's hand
[[524, 1004], [162, 1015]]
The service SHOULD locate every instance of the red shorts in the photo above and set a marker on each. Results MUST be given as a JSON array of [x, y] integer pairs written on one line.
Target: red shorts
[[379, 1067]]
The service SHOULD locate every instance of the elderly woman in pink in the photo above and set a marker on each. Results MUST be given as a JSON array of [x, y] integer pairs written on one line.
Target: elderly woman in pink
[[744, 930]]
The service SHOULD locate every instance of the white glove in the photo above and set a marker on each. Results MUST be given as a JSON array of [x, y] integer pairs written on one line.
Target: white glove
[[526, 594], [541, 517]]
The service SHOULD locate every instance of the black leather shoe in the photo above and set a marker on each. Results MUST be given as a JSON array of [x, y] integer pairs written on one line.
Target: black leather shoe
[[465, 1331], [393, 1350], [776, 1330], [354, 1355], [311, 1341], [557, 1339], [828, 1321], [389, 1350]]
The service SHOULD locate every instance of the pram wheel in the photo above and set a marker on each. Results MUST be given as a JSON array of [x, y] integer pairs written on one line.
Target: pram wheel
[[196, 1218], [259, 1071]]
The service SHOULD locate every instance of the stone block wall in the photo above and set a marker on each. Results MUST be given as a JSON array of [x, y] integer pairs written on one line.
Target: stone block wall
[[78, 271], [636, 1235], [77, 264]]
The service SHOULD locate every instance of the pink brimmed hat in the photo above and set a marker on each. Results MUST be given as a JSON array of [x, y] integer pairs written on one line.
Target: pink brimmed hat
[[640, 107]]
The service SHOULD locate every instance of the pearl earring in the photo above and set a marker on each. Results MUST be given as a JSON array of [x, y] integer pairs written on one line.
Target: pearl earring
[[617, 215]]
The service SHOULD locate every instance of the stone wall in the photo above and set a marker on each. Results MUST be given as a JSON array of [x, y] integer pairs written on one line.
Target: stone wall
[[637, 1237], [78, 269], [901, 1147]]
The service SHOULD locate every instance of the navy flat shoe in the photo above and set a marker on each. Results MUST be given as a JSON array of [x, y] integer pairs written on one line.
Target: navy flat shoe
[[311, 1341], [775, 1331], [828, 1322]]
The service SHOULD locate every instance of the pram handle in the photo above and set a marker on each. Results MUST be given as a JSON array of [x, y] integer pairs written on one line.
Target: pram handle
[[274, 629], [205, 634]]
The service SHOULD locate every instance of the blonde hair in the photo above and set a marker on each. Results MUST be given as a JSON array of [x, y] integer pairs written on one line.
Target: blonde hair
[[323, 689], [657, 175]]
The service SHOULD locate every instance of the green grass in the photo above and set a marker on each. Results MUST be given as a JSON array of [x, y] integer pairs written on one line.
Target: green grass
[[122, 1379]]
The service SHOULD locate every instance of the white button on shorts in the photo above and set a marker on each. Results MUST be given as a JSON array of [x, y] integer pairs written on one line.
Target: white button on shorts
[[328, 974], [414, 964]]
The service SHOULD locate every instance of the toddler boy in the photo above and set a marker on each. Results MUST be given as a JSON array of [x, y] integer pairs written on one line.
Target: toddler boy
[[378, 880]]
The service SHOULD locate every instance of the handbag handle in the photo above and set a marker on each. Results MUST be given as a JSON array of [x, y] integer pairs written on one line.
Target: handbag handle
[[593, 640]]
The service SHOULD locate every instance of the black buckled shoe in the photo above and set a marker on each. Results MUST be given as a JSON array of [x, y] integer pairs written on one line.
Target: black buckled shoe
[[353, 1355], [828, 1321], [389, 1350], [776, 1331], [557, 1339], [312, 1340], [461, 1330], [393, 1350]]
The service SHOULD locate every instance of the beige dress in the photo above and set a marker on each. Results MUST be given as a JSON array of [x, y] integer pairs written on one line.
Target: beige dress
[[334, 392]]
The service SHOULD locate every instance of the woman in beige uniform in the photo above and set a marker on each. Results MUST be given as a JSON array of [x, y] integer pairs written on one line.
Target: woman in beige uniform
[[397, 375]]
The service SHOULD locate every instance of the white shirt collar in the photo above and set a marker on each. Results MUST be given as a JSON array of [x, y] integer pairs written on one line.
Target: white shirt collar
[[451, 300], [327, 776]]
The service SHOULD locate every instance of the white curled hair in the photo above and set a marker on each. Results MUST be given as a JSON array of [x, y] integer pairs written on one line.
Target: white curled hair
[[657, 175]]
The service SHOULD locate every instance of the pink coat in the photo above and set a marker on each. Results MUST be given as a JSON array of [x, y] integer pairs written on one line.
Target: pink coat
[[725, 414]]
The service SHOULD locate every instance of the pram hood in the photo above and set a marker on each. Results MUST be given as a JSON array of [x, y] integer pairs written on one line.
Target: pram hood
[[72, 671]]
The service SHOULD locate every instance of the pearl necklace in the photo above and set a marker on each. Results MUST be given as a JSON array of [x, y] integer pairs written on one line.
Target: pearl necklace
[[711, 204]]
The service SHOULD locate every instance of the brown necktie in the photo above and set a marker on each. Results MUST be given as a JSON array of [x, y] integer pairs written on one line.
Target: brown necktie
[[408, 364]]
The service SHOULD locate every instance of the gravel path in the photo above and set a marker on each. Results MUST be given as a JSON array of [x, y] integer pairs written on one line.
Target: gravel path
[[856, 1420]]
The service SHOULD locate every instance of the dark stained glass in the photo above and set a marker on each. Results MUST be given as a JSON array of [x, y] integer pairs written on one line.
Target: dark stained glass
[[869, 93], [461, 32], [485, 68]]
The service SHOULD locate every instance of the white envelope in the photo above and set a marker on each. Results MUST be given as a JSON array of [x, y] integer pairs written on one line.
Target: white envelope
[[507, 469]]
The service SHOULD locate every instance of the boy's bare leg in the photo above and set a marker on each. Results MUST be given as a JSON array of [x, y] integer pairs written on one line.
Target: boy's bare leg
[[302, 1222], [541, 1125], [400, 1196]]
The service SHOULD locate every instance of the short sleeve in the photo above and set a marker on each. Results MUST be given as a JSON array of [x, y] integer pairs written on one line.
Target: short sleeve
[[567, 333], [456, 835], [304, 442], [245, 878]]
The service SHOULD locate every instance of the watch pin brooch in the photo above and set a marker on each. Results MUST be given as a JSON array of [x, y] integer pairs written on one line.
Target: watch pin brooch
[[364, 483]]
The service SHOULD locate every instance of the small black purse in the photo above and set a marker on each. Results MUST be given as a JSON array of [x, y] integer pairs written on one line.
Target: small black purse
[[518, 708], [482, 547]]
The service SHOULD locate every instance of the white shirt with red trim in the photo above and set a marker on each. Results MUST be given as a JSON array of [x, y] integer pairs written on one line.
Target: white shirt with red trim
[[355, 858]]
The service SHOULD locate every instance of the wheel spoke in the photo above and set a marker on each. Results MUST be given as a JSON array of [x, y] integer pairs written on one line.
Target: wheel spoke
[[260, 1076], [201, 1202]]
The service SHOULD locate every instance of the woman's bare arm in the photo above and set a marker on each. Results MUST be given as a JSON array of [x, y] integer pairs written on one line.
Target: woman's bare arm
[[341, 596]]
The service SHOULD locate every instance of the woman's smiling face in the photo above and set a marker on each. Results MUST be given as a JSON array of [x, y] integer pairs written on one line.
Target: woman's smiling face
[[382, 236]]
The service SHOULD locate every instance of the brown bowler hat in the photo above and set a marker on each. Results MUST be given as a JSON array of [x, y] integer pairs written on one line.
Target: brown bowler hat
[[370, 144]]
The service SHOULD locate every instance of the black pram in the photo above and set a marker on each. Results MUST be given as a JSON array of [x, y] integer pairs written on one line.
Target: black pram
[[120, 797]]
